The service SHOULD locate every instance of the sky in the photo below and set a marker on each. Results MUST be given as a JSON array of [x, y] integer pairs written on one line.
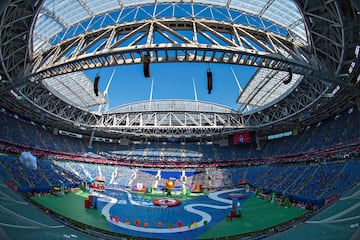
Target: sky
[[173, 81]]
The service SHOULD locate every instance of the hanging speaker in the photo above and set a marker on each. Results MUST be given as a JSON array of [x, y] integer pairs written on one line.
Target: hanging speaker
[[289, 77], [209, 81], [96, 85], [146, 61]]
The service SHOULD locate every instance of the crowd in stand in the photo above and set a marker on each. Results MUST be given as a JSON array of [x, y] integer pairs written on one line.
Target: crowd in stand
[[44, 178], [332, 137], [313, 164], [309, 181]]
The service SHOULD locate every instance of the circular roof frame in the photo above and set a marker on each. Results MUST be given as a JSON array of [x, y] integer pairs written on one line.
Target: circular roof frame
[[335, 63]]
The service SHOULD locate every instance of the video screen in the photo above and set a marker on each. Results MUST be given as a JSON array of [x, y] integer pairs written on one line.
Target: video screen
[[244, 137]]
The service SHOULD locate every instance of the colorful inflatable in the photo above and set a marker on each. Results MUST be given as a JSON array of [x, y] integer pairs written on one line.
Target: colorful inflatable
[[167, 202], [170, 184]]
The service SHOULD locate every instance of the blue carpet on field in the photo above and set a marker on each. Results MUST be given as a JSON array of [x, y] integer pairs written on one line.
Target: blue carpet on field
[[146, 212]]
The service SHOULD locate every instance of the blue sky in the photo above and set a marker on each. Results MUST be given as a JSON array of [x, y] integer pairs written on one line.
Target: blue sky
[[173, 81]]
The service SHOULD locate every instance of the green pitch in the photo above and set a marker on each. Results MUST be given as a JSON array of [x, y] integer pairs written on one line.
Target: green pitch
[[71, 206], [257, 214]]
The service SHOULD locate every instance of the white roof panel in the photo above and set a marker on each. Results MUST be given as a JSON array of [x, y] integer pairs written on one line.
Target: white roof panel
[[103, 6], [76, 89], [266, 86], [283, 12], [252, 7]]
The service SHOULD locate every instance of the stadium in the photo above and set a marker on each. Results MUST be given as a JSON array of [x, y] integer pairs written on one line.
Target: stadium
[[282, 162]]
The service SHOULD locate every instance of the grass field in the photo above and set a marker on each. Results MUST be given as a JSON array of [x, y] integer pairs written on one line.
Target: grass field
[[71, 205], [257, 214]]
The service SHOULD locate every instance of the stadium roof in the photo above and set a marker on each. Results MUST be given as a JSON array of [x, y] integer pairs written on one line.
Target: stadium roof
[[76, 89], [172, 105], [60, 20], [60, 16], [266, 86], [309, 42]]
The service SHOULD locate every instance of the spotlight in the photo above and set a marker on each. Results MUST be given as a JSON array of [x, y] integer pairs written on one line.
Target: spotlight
[[146, 61], [209, 81], [96, 85], [289, 78]]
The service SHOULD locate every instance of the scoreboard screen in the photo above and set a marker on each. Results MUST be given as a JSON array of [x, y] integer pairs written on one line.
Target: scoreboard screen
[[244, 137]]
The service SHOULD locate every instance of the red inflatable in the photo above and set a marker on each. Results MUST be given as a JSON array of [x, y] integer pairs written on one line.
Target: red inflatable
[[169, 202]]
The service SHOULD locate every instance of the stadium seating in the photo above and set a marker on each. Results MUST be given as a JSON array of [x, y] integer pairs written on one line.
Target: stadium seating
[[310, 165], [46, 176]]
